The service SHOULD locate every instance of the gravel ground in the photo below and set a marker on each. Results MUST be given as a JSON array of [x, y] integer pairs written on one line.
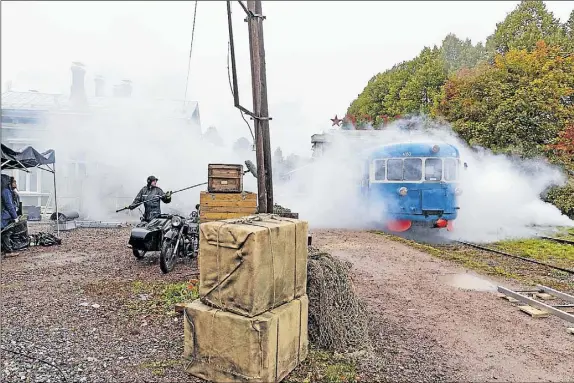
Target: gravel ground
[[74, 306], [435, 321]]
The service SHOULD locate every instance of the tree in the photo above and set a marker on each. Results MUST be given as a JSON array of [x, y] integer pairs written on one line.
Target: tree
[[529, 23], [568, 29], [517, 105], [241, 145], [562, 150], [212, 136], [458, 54]]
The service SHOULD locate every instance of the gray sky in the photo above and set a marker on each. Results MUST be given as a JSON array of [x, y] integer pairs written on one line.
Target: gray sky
[[319, 54]]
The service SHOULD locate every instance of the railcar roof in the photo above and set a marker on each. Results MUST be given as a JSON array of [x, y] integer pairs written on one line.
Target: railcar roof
[[418, 149]]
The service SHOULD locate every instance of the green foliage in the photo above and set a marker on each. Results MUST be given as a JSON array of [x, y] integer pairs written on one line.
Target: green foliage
[[529, 23], [458, 54], [159, 297], [323, 366], [563, 199], [515, 105]]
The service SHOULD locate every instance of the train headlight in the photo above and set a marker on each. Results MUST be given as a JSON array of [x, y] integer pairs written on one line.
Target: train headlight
[[458, 191], [175, 221], [435, 149], [403, 191]]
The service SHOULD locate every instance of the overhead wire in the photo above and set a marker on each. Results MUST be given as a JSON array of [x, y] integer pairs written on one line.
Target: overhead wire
[[190, 50], [233, 92]]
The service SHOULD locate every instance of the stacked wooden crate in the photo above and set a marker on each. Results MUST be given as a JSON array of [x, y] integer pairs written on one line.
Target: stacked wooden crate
[[250, 323], [225, 198]]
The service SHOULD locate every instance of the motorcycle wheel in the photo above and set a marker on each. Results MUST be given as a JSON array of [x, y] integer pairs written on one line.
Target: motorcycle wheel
[[139, 254], [167, 257]]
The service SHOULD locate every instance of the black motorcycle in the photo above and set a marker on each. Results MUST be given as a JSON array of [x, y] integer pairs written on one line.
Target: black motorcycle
[[148, 236], [180, 240]]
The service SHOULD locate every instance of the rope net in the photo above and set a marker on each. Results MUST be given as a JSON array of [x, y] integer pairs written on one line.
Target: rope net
[[338, 319]]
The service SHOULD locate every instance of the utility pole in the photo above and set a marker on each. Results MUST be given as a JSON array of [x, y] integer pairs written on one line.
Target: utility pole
[[260, 107], [260, 114]]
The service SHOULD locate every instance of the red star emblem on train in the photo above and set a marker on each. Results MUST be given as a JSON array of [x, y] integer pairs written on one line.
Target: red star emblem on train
[[336, 121]]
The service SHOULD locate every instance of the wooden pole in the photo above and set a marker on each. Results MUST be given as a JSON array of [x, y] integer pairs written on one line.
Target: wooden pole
[[260, 107]]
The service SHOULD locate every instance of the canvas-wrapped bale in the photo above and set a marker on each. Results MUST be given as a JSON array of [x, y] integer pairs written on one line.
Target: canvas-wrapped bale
[[224, 347], [251, 265]]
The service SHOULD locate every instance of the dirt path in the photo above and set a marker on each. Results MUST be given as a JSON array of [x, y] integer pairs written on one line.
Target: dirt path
[[430, 327]]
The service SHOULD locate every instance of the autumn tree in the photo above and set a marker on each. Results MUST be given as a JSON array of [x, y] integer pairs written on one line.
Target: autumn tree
[[516, 105], [529, 23]]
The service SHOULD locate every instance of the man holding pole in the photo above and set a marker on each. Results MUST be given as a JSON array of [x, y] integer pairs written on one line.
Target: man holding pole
[[151, 195]]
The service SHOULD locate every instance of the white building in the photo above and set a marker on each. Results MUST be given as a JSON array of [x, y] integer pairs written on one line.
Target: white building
[[25, 120]]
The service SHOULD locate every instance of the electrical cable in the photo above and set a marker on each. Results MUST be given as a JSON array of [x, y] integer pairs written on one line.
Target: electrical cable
[[232, 91], [190, 50], [38, 359]]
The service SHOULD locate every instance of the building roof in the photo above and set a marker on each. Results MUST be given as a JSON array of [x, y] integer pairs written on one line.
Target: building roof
[[30, 100], [57, 102]]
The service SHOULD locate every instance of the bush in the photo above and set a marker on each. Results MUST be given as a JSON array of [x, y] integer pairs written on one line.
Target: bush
[[563, 198]]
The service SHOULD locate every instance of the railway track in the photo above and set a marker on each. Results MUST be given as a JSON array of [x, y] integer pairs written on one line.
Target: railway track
[[559, 240], [488, 249]]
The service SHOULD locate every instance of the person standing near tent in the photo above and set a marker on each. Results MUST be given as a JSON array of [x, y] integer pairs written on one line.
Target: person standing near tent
[[151, 195], [15, 195], [9, 213]]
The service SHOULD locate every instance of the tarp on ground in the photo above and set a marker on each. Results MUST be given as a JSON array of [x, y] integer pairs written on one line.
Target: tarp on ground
[[27, 158]]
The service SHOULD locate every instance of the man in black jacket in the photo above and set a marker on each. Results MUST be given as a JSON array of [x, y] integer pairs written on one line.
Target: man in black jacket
[[152, 195]]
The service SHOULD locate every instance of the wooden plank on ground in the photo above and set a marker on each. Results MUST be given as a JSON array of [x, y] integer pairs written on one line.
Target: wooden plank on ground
[[545, 296], [534, 312], [510, 299], [540, 305]]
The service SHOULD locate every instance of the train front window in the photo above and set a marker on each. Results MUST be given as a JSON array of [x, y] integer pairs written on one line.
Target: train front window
[[413, 169], [450, 169], [395, 170], [379, 170], [433, 169]]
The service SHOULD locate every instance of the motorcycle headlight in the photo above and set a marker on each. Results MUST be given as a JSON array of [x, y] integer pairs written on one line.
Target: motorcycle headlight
[[175, 221]]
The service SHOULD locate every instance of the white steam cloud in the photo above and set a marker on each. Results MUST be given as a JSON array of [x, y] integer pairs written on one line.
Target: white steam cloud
[[121, 145], [129, 140], [501, 195]]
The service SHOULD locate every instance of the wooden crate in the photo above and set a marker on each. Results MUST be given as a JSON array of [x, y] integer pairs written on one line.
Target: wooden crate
[[224, 178], [219, 206]]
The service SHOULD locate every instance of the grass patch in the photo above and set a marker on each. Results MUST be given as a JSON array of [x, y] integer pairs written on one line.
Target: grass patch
[[158, 367], [565, 233], [543, 250], [323, 366], [161, 296]]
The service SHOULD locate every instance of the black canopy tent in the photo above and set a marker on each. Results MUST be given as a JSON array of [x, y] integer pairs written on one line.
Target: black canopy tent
[[31, 158]]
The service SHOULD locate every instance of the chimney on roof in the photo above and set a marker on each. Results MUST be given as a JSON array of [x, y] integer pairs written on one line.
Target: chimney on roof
[[77, 91], [124, 89], [99, 86]]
